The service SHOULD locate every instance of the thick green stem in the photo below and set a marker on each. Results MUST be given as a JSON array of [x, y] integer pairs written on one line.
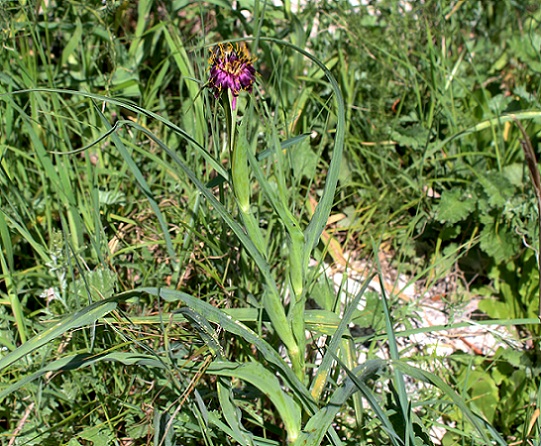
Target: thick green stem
[[298, 300], [289, 329], [240, 178]]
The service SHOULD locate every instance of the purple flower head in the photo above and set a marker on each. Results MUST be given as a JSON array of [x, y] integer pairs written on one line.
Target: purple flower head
[[231, 68]]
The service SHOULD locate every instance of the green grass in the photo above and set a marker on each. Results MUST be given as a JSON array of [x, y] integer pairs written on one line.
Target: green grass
[[161, 260]]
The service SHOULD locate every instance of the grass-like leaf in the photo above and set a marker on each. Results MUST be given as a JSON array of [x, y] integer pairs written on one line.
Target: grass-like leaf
[[85, 317]]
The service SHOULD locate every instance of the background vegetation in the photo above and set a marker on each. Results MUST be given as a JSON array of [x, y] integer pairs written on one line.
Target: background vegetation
[[141, 301]]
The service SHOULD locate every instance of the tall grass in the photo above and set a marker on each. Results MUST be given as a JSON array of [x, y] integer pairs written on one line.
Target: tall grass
[[162, 263]]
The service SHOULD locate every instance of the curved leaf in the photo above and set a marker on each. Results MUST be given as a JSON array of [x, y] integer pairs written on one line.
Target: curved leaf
[[84, 317]]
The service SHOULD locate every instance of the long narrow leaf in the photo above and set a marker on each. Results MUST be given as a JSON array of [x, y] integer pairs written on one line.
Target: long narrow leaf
[[74, 362], [138, 175], [323, 209], [138, 110], [267, 383], [331, 352], [215, 315], [479, 424], [84, 317], [320, 422], [271, 300]]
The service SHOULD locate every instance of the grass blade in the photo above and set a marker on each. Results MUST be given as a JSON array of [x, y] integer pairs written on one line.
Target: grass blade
[[84, 317]]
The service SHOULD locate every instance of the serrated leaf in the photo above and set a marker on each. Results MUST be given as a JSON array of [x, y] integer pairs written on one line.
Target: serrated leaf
[[514, 174], [449, 232], [498, 242], [100, 283], [497, 187], [454, 206], [414, 137], [98, 435]]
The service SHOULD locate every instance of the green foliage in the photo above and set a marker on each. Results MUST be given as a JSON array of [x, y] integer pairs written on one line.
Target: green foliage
[[161, 262], [503, 388]]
